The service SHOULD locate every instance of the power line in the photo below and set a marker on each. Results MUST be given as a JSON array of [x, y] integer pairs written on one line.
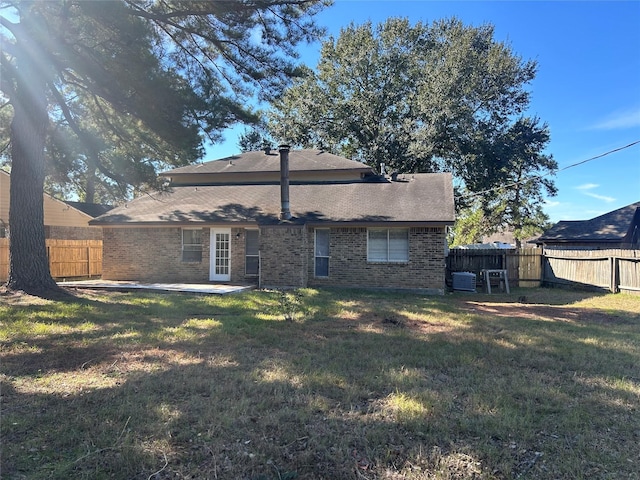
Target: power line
[[475, 194], [599, 156]]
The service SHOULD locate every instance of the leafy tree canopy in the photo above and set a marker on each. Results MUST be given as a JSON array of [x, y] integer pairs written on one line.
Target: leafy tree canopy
[[404, 95], [425, 98], [256, 138], [506, 176]]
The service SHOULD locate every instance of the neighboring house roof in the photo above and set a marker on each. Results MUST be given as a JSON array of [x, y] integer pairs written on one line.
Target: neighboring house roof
[[507, 237], [92, 209], [422, 198], [502, 237], [613, 227], [261, 162], [56, 212]]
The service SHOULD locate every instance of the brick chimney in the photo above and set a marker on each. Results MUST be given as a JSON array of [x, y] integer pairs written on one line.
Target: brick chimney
[[285, 211]]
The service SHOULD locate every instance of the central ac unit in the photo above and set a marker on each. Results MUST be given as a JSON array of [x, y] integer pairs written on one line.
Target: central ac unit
[[464, 281]]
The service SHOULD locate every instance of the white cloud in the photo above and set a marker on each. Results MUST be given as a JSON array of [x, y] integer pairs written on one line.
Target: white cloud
[[619, 120], [604, 198], [587, 186], [586, 190]]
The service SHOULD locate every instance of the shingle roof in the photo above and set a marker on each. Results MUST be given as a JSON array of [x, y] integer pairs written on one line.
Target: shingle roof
[[422, 198], [306, 160], [92, 209], [610, 227]]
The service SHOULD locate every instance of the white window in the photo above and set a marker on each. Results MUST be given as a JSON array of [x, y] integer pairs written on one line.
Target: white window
[[388, 245], [322, 252], [191, 245], [251, 252]]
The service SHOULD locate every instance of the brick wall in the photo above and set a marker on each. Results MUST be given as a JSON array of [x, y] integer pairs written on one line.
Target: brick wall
[[238, 274], [151, 255], [284, 256], [348, 265], [72, 233]]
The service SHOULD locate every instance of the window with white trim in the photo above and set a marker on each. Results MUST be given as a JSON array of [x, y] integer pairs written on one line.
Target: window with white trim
[[322, 252], [251, 252], [191, 245], [388, 245]]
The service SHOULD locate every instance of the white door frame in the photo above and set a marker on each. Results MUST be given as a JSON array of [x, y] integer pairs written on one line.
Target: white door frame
[[220, 256]]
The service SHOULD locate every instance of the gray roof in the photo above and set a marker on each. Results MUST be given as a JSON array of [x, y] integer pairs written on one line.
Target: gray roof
[[299, 160], [421, 198], [92, 209], [610, 227]]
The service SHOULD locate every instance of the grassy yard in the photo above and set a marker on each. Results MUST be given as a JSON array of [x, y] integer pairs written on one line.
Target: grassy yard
[[360, 385]]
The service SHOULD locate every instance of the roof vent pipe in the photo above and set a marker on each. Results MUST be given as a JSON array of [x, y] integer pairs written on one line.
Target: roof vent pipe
[[285, 211]]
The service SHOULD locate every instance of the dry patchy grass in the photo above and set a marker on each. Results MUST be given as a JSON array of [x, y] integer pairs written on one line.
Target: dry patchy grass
[[363, 385]]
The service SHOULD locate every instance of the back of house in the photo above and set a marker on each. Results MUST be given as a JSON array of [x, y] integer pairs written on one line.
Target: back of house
[[284, 219]]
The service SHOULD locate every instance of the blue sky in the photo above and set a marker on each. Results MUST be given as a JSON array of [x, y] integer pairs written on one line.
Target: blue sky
[[587, 88]]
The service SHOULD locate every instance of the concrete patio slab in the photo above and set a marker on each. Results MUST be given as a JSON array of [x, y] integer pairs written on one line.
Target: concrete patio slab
[[208, 288]]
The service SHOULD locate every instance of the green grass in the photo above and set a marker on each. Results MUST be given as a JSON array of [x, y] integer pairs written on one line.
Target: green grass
[[361, 385]]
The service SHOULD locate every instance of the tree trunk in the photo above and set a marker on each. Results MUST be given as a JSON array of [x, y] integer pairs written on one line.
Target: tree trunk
[[90, 187], [28, 262]]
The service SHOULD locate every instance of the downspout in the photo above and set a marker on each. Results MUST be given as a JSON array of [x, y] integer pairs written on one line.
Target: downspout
[[285, 210]]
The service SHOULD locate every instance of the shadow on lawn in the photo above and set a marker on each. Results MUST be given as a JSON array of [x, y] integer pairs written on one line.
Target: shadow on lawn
[[368, 396], [574, 315], [533, 296], [86, 331]]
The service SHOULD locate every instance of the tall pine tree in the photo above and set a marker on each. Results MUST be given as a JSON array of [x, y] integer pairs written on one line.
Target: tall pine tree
[[165, 70]]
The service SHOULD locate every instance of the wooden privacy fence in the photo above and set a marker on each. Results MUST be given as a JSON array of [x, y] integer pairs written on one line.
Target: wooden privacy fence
[[4, 259], [67, 258], [524, 266], [614, 270]]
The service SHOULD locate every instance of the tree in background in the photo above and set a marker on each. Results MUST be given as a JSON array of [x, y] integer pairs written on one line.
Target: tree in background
[[96, 154], [161, 74], [505, 176], [358, 101], [426, 98], [254, 139], [469, 228], [403, 95]]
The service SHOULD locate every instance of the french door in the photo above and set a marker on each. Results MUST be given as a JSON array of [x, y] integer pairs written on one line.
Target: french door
[[220, 268]]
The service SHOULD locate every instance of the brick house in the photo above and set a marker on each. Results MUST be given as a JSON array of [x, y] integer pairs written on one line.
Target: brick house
[[287, 219]]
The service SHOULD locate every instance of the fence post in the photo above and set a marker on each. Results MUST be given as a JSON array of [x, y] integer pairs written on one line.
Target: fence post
[[541, 262]]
